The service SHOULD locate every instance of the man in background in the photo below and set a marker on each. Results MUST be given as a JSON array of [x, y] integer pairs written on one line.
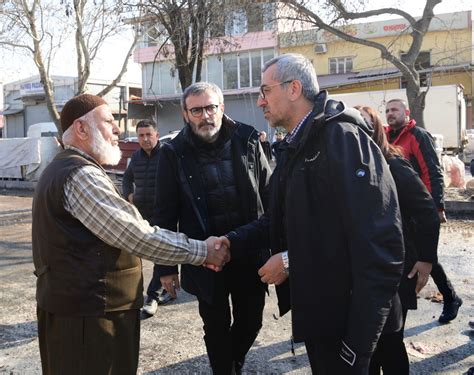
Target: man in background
[[419, 149], [279, 136], [265, 145], [138, 187]]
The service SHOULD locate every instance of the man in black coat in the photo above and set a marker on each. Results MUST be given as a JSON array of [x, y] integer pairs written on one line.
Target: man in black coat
[[210, 179], [334, 223], [138, 187], [419, 149]]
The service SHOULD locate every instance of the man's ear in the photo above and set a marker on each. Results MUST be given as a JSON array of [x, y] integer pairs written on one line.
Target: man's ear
[[296, 89], [81, 129], [407, 112]]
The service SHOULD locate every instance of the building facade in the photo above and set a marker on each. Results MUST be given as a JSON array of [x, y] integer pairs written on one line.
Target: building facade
[[25, 103], [233, 62], [446, 58], [1, 110]]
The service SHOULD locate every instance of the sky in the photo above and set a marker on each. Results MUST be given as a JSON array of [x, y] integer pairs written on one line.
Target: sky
[[17, 66]]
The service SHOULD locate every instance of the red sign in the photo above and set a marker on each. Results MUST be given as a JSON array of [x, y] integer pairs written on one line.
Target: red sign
[[395, 27]]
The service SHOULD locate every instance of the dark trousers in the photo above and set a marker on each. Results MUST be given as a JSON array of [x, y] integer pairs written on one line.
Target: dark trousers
[[227, 343], [89, 345], [391, 355], [324, 358], [154, 285], [443, 283]]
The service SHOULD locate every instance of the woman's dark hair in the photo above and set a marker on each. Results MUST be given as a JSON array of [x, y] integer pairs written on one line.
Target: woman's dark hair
[[389, 151]]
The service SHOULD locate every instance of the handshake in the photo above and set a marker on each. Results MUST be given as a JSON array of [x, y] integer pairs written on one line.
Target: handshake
[[218, 253]]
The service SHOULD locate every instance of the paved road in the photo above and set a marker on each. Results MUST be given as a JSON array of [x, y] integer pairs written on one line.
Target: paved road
[[171, 341]]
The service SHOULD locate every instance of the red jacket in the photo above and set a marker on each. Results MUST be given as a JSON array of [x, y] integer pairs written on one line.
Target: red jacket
[[418, 147]]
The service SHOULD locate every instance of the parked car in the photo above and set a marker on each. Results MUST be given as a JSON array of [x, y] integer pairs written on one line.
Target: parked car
[[168, 137]]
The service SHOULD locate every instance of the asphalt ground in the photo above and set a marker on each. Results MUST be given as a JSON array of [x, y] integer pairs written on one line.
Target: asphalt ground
[[171, 341]]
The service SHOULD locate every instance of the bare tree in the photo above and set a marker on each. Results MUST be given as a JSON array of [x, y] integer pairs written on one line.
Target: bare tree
[[340, 11], [25, 27], [40, 28], [185, 25]]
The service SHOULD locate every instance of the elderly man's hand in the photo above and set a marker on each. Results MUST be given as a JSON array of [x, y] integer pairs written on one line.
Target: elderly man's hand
[[273, 271], [218, 253]]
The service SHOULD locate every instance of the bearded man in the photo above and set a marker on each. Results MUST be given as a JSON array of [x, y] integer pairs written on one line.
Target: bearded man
[[210, 179], [87, 241]]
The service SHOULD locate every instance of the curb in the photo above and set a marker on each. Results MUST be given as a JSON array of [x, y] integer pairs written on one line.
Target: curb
[[17, 184], [459, 207]]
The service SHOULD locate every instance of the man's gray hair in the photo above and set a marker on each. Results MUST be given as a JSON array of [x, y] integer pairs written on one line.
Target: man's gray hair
[[68, 135], [200, 87], [293, 66]]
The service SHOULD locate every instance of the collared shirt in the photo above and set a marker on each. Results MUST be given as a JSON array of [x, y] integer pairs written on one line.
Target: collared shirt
[[291, 135], [91, 197]]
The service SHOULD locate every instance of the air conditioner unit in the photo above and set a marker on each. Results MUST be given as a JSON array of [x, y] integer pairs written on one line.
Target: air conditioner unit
[[320, 48]]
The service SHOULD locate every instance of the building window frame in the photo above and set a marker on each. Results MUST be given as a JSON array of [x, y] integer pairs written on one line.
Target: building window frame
[[423, 61], [341, 64], [248, 54], [263, 54]]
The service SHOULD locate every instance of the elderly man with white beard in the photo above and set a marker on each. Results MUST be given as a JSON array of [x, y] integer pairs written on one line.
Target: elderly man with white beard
[[87, 245]]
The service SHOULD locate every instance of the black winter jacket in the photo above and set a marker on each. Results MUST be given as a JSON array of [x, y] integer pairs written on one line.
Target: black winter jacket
[[420, 225], [139, 179], [342, 227], [180, 199]]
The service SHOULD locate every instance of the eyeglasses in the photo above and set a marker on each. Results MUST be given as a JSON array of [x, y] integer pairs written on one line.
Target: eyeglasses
[[210, 109], [264, 88]]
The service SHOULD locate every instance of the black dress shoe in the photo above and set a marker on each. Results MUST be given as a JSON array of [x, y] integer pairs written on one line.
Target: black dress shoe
[[450, 310]]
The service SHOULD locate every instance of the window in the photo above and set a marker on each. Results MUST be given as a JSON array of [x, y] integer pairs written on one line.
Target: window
[[425, 80], [255, 17], [423, 61], [236, 23], [167, 75], [340, 65], [244, 69], [155, 36], [256, 61], [230, 71], [240, 70], [269, 16], [214, 70], [268, 54]]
